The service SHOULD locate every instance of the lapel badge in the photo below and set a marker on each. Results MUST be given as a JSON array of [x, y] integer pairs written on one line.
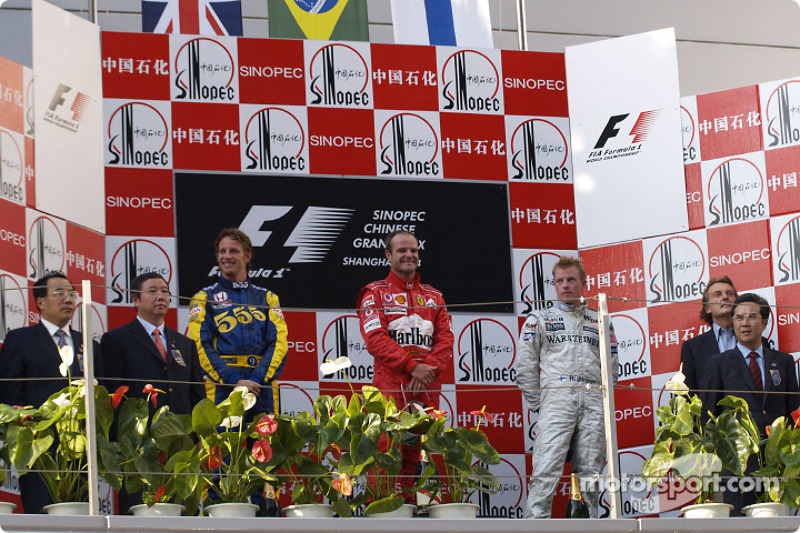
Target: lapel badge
[[776, 377], [176, 354]]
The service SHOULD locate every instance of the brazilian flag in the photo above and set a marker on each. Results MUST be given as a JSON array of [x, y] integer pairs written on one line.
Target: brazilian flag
[[323, 20]]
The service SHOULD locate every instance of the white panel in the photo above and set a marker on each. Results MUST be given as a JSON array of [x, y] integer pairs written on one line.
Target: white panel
[[624, 109], [68, 107]]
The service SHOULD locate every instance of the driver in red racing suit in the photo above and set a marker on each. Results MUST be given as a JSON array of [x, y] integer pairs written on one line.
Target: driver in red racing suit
[[407, 329]]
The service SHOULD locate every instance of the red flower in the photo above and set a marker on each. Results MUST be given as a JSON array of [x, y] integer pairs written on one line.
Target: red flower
[[383, 443], [160, 494], [335, 451], [154, 399], [267, 425], [148, 389], [344, 484], [768, 428], [116, 398], [438, 414], [162, 458], [796, 416], [262, 451], [214, 458]]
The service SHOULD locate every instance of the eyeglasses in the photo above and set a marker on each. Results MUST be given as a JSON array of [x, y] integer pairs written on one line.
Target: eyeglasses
[[164, 293], [750, 317], [61, 294]]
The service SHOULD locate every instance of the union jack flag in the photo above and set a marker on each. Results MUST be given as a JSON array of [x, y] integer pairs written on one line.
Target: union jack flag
[[198, 17]]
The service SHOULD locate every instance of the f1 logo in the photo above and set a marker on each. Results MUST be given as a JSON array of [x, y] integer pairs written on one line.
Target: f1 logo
[[313, 235], [610, 130], [58, 97], [639, 131]]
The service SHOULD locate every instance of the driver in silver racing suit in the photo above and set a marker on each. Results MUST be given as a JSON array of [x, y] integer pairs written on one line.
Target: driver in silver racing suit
[[558, 372]]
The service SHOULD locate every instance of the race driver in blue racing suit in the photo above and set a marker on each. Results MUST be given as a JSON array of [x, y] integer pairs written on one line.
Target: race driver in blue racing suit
[[239, 328]]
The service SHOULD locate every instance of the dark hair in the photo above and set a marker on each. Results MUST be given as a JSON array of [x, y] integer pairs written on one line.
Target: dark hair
[[394, 234], [237, 235], [138, 281], [752, 297], [705, 315], [40, 287], [566, 261]]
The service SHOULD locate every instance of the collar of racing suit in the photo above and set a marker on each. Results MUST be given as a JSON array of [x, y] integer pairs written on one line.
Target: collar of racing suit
[[397, 281], [569, 308], [234, 284]]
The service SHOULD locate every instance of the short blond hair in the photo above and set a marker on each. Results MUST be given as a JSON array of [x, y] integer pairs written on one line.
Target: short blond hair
[[566, 261]]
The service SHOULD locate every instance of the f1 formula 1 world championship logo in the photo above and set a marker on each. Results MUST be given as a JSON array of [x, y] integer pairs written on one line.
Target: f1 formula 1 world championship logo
[[487, 351], [138, 136], [676, 269], [782, 115], [45, 248], [204, 71], [470, 83], [409, 146], [627, 146], [275, 141], [340, 77], [539, 152], [135, 257], [67, 108], [735, 193]]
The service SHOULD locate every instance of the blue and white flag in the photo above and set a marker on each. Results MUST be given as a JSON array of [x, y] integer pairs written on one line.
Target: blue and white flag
[[198, 17], [442, 22]]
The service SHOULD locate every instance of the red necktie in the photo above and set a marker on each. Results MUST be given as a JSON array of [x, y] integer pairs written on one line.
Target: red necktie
[[159, 344], [755, 371]]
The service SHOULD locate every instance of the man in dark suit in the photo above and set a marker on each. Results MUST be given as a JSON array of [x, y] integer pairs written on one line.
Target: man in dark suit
[[718, 297], [765, 378], [132, 356], [30, 361]]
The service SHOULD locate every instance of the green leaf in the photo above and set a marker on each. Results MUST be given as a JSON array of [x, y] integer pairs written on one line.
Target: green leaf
[[205, 418], [385, 505]]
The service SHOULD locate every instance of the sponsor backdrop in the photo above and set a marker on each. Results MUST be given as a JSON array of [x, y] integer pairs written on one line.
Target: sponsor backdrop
[[470, 147]]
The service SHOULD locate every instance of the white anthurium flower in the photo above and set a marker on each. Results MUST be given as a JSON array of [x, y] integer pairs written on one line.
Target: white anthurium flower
[[248, 398], [677, 384], [67, 357], [62, 400], [81, 384], [231, 422], [331, 367]]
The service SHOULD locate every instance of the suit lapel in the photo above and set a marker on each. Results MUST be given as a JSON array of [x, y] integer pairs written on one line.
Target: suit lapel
[[711, 344], [47, 344], [141, 337]]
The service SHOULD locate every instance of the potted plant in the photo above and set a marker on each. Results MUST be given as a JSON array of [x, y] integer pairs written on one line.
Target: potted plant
[[306, 449], [692, 451], [464, 452], [780, 468], [232, 455], [377, 429], [52, 440], [146, 447]]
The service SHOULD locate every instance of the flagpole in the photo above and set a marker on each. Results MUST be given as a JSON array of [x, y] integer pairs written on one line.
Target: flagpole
[[93, 11], [522, 25]]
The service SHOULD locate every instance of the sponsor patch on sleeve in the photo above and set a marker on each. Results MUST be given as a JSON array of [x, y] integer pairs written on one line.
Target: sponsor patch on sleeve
[[372, 324], [194, 312]]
